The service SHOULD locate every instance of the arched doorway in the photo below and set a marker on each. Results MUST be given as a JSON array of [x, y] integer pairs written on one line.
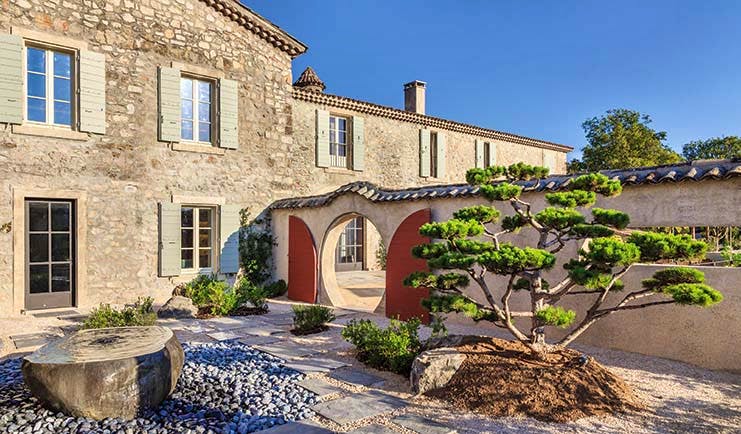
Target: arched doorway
[[353, 265]]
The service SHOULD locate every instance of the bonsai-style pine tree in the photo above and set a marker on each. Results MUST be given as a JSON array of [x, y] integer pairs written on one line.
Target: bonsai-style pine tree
[[470, 246]]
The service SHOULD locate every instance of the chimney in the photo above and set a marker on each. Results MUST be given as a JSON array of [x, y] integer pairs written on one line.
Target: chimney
[[414, 96]]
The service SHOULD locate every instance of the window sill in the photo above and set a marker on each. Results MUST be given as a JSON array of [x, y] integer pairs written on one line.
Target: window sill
[[43, 131], [339, 170], [203, 149]]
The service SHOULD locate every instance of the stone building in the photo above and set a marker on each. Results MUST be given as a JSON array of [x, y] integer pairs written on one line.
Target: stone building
[[132, 133]]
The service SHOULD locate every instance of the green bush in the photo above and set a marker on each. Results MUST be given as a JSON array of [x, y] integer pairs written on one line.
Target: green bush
[[391, 349], [199, 289], [248, 292], [276, 289], [733, 258], [139, 314], [311, 318]]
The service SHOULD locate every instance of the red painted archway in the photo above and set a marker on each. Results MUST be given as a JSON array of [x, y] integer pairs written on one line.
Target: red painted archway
[[402, 301], [302, 263]]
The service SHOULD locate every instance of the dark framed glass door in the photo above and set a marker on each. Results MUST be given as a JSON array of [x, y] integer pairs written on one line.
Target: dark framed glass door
[[349, 254], [50, 253]]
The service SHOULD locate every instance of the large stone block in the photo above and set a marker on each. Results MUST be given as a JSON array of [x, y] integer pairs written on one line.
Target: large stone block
[[114, 372], [434, 368]]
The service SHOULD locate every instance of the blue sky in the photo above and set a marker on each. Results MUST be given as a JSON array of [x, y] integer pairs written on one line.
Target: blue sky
[[537, 68]]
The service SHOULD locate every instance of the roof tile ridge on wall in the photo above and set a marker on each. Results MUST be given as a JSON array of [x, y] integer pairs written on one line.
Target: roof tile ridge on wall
[[403, 115], [258, 25]]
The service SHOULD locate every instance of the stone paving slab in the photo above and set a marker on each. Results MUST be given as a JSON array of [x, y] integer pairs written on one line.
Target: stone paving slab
[[358, 406], [422, 425], [319, 387], [33, 340], [279, 318], [252, 340], [53, 314], [228, 323], [354, 376], [300, 427], [260, 329], [313, 365], [287, 350], [223, 336], [372, 429]]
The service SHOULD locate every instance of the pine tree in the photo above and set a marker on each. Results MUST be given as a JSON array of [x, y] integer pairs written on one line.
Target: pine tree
[[470, 246]]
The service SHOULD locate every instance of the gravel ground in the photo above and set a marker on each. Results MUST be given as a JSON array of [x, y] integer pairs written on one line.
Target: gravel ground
[[224, 388]]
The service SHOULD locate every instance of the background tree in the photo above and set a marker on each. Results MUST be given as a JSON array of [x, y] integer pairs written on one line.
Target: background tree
[[470, 247], [622, 139], [716, 147]]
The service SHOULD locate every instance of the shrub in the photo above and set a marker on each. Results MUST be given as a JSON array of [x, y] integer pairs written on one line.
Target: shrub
[[248, 292], [276, 289], [199, 289], [140, 313], [309, 319], [391, 349], [732, 258]]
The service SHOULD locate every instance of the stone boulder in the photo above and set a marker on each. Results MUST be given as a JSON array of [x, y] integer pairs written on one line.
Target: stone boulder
[[433, 369], [178, 307], [102, 373]]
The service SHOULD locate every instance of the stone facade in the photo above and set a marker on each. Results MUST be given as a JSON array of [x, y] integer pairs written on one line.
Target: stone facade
[[121, 176]]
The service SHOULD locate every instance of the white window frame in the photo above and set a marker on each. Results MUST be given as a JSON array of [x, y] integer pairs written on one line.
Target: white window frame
[[197, 106], [335, 159], [196, 240], [433, 154], [49, 78]]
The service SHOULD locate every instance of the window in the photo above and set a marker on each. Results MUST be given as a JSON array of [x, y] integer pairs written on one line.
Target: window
[[338, 144], [49, 86], [196, 238], [350, 244], [487, 154], [196, 110], [433, 155]]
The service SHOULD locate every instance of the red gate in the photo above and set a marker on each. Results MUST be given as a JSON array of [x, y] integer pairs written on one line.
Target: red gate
[[402, 301], [302, 263]]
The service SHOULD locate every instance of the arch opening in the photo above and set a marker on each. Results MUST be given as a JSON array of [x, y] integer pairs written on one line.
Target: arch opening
[[353, 272]]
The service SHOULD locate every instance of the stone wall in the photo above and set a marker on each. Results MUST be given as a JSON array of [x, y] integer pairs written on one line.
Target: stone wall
[[127, 172], [392, 152]]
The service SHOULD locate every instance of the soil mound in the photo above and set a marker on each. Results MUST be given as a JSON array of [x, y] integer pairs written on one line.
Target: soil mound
[[502, 378]]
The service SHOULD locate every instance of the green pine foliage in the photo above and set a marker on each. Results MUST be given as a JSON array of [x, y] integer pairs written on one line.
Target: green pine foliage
[[468, 248]]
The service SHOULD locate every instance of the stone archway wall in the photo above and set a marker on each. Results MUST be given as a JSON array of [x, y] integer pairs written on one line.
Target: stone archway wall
[[687, 203]]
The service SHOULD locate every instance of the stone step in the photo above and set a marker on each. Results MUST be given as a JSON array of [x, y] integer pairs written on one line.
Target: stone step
[[358, 406]]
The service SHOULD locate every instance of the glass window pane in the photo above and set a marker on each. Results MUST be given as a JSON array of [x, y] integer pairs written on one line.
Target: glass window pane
[[186, 238], [204, 258], [36, 85], [342, 123], [186, 258], [38, 247], [60, 278], [204, 112], [38, 216], [36, 60], [332, 121], [38, 279], [341, 138], [186, 217], [60, 247], [204, 132], [62, 113], [204, 238], [63, 65], [204, 91], [186, 130], [36, 110], [60, 216], [186, 88], [62, 89], [186, 109], [204, 218]]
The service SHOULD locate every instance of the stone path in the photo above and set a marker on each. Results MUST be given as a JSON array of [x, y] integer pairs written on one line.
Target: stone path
[[356, 407]]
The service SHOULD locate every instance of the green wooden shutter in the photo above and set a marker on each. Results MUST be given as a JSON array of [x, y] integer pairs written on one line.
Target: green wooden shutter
[[479, 154], [424, 153], [441, 150], [228, 114], [11, 79], [229, 229], [492, 154], [169, 101], [92, 92], [358, 144], [322, 138], [169, 248]]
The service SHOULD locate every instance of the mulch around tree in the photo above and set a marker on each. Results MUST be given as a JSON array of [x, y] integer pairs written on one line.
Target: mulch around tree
[[501, 378]]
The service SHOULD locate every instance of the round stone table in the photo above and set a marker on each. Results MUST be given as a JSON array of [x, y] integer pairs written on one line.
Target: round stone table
[[100, 373]]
